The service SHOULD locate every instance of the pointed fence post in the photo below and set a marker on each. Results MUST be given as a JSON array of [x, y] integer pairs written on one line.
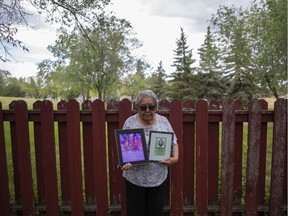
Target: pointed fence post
[[4, 184], [125, 111], [74, 158], [22, 152], [100, 156], [201, 158], [227, 157], [279, 158], [176, 120], [252, 173], [49, 157]]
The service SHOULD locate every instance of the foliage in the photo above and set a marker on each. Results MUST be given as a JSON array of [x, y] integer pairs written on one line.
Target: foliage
[[184, 75], [95, 65], [253, 44], [133, 83], [72, 14], [10, 86], [158, 83], [268, 28], [233, 37], [244, 55], [212, 84]]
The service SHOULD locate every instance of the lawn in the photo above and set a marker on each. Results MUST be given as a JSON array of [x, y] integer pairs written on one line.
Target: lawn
[[7, 100]]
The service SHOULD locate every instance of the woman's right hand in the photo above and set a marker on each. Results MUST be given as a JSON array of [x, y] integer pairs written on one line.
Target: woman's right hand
[[126, 166]]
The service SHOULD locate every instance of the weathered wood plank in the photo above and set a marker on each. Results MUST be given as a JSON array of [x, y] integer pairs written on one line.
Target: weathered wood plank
[[177, 169], [201, 157], [49, 157], [4, 183], [24, 158], [227, 157], [74, 158], [279, 153], [99, 152], [252, 174]]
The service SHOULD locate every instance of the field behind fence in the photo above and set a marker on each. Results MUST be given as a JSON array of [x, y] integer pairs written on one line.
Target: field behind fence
[[64, 161]]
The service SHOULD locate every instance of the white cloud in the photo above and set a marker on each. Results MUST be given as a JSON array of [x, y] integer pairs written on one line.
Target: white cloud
[[24, 63]]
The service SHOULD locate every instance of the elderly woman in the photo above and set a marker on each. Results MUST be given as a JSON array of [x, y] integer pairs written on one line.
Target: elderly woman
[[144, 184]]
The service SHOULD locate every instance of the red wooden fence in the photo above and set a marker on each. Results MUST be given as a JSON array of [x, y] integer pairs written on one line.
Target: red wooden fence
[[76, 158]]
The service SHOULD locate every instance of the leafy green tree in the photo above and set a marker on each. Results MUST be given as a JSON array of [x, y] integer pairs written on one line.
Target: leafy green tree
[[158, 83], [33, 87], [253, 45], [13, 88], [54, 78], [73, 14], [184, 80], [268, 28], [4, 75], [96, 67], [233, 38], [135, 82], [212, 85]]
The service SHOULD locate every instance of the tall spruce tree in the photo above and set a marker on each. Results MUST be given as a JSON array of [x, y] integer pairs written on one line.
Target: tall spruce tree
[[158, 82], [184, 79], [212, 85]]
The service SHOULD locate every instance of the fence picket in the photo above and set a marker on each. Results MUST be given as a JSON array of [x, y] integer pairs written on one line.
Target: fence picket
[[125, 110], [279, 153], [74, 157], [49, 157], [88, 158], [177, 170], [262, 159], [15, 155], [22, 150], [114, 173], [63, 153], [188, 157], [4, 184], [213, 157], [202, 157], [39, 156], [227, 157], [99, 152], [238, 157], [252, 174]]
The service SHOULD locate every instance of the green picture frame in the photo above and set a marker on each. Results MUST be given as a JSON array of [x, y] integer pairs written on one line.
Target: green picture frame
[[160, 145]]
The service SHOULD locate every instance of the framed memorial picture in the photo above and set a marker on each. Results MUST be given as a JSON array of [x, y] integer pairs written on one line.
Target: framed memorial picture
[[160, 145], [131, 146]]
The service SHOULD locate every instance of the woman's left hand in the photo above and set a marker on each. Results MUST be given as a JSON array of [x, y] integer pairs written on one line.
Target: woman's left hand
[[169, 161], [172, 160]]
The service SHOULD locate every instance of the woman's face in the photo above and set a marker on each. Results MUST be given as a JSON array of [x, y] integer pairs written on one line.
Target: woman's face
[[146, 109]]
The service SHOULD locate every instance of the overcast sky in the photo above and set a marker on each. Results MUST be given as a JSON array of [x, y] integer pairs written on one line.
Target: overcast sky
[[156, 23]]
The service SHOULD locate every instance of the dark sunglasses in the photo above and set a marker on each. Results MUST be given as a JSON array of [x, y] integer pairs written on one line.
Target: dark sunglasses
[[144, 108]]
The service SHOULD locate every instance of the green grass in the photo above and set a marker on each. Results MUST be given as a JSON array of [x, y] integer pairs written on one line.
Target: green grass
[[30, 101], [7, 100]]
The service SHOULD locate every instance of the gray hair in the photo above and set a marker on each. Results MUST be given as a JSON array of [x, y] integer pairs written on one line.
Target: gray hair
[[145, 94]]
